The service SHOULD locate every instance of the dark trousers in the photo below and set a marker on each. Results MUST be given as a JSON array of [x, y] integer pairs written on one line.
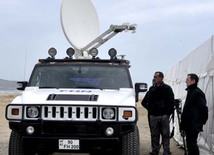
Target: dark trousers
[[191, 138], [159, 126]]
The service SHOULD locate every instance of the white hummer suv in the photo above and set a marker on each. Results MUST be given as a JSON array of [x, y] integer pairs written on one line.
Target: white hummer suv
[[76, 105]]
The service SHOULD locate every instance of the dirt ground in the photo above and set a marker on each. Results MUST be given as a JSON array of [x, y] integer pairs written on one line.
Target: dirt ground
[[142, 125]]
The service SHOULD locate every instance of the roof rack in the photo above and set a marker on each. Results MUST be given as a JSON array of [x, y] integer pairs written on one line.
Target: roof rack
[[68, 60]]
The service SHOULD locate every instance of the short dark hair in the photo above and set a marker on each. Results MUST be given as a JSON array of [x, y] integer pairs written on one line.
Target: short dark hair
[[160, 74], [193, 77]]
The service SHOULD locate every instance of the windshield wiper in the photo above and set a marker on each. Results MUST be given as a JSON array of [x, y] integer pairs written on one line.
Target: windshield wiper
[[47, 87], [88, 87]]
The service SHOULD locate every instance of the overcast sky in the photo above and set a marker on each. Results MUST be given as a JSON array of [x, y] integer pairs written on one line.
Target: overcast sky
[[167, 31]]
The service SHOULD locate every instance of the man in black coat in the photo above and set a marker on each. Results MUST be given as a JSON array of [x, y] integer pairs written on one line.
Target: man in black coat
[[194, 115], [159, 101]]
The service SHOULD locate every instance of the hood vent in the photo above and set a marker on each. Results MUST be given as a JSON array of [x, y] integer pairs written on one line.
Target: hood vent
[[64, 97]]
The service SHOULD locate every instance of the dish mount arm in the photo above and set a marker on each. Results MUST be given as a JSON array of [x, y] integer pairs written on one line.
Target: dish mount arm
[[108, 34]]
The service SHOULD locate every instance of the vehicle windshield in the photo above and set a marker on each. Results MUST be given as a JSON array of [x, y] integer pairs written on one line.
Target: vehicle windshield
[[81, 76]]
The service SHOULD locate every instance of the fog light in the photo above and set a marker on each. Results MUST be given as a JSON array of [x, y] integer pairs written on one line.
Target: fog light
[[109, 131], [30, 130]]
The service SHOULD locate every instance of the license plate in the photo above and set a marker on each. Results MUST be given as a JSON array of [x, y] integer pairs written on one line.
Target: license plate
[[69, 144]]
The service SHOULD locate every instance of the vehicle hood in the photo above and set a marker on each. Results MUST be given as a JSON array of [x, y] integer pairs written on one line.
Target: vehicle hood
[[34, 95]]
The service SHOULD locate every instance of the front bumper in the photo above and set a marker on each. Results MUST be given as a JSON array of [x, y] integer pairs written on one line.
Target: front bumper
[[86, 145], [91, 135]]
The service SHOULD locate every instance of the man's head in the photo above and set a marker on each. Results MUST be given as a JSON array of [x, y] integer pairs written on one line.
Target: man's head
[[192, 79], [158, 78]]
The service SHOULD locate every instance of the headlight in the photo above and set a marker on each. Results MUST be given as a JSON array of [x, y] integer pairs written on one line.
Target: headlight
[[33, 112], [108, 113]]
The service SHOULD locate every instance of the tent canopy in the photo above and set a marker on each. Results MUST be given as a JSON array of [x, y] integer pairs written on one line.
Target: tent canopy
[[201, 62]]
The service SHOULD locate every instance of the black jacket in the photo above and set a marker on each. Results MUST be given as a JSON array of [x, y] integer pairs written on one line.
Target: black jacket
[[159, 100], [195, 111]]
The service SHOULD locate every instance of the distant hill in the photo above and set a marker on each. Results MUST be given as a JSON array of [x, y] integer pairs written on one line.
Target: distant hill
[[7, 85]]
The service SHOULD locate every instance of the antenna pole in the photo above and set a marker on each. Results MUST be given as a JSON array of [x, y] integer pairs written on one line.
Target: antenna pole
[[25, 64]]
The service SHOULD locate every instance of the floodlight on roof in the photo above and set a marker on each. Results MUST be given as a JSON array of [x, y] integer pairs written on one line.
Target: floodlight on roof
[[112, 53], [93, 52], [70, 52], [52, 52]]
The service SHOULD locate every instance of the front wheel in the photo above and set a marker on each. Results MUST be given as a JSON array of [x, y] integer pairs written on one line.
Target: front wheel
[[15, 144], [131, 143]]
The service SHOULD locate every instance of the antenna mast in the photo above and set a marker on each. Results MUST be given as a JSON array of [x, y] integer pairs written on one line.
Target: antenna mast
[[108, 34]]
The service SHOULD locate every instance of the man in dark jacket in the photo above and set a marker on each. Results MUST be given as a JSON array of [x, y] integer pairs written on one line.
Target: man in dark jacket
[[159, 101], [194, 115]]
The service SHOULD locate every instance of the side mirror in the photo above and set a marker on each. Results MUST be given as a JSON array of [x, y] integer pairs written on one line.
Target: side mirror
[[21, 85], [140, 87]]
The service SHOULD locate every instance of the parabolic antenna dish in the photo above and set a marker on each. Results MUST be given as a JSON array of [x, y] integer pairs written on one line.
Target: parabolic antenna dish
[[79, 22]]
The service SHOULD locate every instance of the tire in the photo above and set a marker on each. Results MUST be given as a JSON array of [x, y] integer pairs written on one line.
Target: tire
[[15, 144], [131, 143]]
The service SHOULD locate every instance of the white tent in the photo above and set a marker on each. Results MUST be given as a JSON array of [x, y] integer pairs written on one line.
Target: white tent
[[201, 62]]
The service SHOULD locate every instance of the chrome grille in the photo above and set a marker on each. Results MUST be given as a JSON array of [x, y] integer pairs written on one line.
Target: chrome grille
[[74, 113]]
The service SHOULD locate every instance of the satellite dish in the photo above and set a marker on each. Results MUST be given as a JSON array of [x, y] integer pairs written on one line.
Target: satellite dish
[[79, 22]]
